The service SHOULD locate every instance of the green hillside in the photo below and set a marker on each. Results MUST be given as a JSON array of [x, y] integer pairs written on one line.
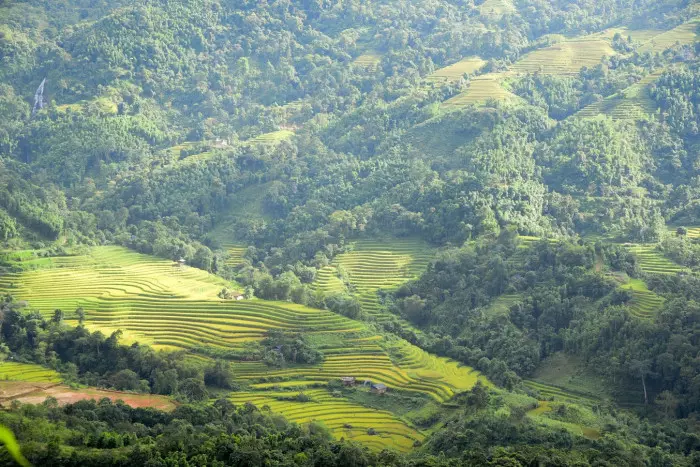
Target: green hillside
[[400, 233]]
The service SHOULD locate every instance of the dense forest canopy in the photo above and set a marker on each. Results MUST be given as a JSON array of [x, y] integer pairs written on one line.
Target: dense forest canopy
[[510, 185]]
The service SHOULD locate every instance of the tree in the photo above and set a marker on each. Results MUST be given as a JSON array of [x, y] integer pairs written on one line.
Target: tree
[[57, 316], [641, 369], [193, 389], [125, 380], [80, 313]]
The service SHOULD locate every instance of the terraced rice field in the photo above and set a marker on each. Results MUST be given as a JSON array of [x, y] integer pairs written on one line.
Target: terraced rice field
[[641, 36], [235, 254], [503, 303], [273, 137], [692, 232], [29, 372], [554, 392], [634, 104], [644, 303], [652, 261], [369, 60], [420, 364], [456, 71], [564, 58], [328, 281], [156, 302], [375, 265], [103, 105], [343, 418], [685, 34], [439, 380], [482, 89], [526, 242], [160, 303]]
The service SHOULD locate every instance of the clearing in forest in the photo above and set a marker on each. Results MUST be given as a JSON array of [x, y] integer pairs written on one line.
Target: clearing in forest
[[644, 303], [374, 265], [565, 58], [369, 60], [496, 9], [456, 71], [633, 103], [480, 90], [566, 376], [245, 204], [271, 138], [651, 260], [685, 34], [36, 393]]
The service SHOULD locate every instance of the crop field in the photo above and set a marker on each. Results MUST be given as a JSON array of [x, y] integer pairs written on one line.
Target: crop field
[[457, 70], [568, 373], [482, 89], [273, 137], [246, 203], [634, 103], [36, 393], [328, 281], [640, 36], [439, 379], [557, 393], [375, 265], [644, 303], [343, 418], [171, 307], [693, 232], [564, 58], [568, 57], [502, 304], [653, 261], [420, 364], [369, 60], [685, 34], [29, 372], [235, 254]]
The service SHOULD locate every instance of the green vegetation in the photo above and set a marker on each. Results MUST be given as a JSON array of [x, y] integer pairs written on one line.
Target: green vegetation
[[465, 206], [456, 71], [567, 57], [644, 303], [344, 419], [686, 33], [652, 260], [13, 371]]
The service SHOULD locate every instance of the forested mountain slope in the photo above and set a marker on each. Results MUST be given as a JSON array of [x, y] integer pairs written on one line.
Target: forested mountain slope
[[417, 194]]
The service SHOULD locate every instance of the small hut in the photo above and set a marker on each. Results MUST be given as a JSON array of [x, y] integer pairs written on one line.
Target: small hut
[[348, 380], [378, 388], [180, 262]]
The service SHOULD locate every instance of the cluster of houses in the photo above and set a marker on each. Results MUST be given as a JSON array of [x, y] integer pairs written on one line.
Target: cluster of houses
[[377, 388]]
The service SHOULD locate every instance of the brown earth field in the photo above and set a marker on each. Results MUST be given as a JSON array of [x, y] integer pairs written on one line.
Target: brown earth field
[[36, 393]]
